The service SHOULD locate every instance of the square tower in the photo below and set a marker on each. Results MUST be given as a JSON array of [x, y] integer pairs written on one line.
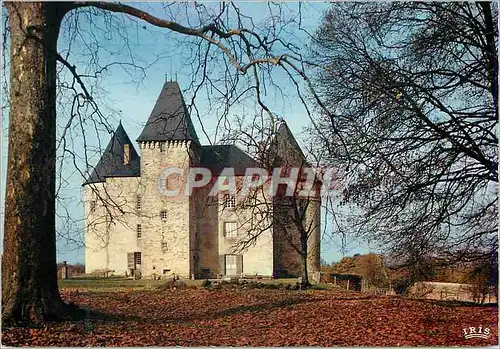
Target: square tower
[[169, 148]]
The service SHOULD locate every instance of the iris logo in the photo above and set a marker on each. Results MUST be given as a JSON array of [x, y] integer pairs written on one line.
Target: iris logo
[[476, 332]]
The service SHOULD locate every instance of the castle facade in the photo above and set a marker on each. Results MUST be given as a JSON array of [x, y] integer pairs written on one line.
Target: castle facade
[[131, 226]]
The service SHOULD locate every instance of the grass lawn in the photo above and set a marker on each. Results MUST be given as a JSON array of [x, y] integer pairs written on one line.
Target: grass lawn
[[134, 313], [97, 284], [123, 284]]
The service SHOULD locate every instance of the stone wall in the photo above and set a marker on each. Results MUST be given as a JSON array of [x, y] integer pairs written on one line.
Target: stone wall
[[207, 243], [258, 255], [287, 155], [286, 237], [96, 234], [191, 239], [166, 242], [111, 225], [313, 219]]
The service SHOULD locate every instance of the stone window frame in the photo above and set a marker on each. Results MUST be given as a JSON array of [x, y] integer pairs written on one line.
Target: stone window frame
[[226, 231]]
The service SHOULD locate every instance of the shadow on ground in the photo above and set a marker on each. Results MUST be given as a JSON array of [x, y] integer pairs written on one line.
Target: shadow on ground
[[99, 316]]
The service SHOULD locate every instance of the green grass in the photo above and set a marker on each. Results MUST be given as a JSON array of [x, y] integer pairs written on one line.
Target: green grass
[[117, 283], [322, 287]]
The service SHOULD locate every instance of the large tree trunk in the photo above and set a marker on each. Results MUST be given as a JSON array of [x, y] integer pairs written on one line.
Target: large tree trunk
[[29, 272]]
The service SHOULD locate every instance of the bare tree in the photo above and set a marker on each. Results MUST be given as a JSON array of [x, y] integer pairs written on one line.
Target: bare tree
[[291, 216], [248, 55], [413, 88]]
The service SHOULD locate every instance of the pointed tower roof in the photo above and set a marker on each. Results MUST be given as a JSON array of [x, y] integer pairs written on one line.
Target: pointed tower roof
[[170, 119], [284, 147], [112, 162]]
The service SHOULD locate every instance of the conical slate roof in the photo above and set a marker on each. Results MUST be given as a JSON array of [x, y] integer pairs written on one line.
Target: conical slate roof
[[284, 147], [112, 163], [169, 120]]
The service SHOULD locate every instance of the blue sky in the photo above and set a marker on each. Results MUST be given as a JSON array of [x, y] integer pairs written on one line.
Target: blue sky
[[128, 95]]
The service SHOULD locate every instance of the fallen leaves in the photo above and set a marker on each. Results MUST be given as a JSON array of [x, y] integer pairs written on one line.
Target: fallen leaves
[[258, 317]]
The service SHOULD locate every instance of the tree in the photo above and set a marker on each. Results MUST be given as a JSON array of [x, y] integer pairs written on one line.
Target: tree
[[30, 291], [345, 266], [484, 279], [293, 216], [29, 261], [371, 267], [298, 221], [411, 90]]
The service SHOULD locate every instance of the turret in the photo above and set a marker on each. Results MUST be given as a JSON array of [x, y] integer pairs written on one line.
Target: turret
[[109, 193], [284, 151]]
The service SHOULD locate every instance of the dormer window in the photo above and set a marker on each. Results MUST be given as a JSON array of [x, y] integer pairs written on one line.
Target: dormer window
[[126, 154]]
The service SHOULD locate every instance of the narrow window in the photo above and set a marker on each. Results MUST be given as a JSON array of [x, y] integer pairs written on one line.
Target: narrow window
[[126, 154], [229, 201], [164, 246], [139, 231], [231, 229], [138, 203], [137, 258], [164, 215], [92, 205]]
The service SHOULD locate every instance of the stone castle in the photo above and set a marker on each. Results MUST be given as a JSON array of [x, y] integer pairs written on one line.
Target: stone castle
[[131, 227]]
